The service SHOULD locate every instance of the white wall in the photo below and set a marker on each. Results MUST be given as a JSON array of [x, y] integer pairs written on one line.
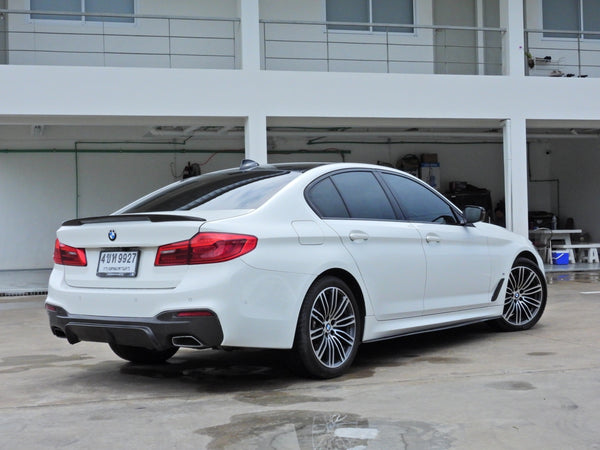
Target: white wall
[[307, 47], [36, 196], [149, 42], [108, 181], [542, 195], [210, 44], [214, 44], [38, 190], [576, 166]]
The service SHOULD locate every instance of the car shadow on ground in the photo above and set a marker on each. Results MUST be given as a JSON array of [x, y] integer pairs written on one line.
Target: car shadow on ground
[[242, 370]]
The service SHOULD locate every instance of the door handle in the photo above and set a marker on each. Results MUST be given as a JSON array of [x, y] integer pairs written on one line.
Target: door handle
[[358, 236], [430, 238]]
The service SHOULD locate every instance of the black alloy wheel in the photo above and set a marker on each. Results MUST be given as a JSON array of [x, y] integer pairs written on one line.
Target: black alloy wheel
[[525, 298], [329, 329]]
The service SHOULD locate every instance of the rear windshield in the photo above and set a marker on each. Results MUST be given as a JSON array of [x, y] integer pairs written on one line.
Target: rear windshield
[[218, 190]]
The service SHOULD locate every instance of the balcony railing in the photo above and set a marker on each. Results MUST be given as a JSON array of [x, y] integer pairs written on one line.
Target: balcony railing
[[560, 53], [376, 47], [85, 39]]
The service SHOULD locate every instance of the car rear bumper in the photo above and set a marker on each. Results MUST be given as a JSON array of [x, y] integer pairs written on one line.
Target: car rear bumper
[[163, 331]]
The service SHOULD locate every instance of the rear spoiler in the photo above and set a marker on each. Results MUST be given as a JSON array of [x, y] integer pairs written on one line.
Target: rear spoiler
[[132, 218]]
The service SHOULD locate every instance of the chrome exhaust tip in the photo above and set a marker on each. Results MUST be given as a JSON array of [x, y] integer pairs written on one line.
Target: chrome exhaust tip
[[187, 342]]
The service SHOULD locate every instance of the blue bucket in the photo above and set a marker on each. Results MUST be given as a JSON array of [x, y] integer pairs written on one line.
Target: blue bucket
[[560, 257]]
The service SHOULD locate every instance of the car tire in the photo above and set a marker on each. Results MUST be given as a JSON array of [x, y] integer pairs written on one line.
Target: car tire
[[329, 329], [525, 297], [140, 355]]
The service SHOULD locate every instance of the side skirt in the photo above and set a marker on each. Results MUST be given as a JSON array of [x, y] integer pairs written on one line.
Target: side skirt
[[379, 330]]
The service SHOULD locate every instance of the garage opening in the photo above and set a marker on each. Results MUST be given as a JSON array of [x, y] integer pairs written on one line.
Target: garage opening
[[563, 183], [462, 160]]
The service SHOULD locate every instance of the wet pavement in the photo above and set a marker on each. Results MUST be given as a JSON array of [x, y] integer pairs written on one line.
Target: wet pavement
[[462, 388]]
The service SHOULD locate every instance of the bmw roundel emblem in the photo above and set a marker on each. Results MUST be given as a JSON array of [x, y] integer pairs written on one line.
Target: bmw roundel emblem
[[112, 235]]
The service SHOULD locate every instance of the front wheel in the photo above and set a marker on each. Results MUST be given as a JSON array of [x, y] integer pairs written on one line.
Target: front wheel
[[329, 329], [142, 355], [525, 298]]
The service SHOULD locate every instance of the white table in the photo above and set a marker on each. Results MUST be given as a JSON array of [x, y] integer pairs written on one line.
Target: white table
[[558, 235]]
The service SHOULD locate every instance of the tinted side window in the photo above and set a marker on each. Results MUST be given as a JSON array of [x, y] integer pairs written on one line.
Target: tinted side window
[[326, 200], [418, 203], [363, 196]]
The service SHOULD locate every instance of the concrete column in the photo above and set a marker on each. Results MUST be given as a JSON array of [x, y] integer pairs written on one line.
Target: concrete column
[[250, 34], [512, 18], [515, 175], [255, 128], [255, 132]]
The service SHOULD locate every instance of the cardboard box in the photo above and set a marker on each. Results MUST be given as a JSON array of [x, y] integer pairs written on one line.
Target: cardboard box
[[429, 158]]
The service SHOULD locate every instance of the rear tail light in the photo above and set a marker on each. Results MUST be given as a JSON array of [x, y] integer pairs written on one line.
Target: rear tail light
[[69, 256], [205, 248]]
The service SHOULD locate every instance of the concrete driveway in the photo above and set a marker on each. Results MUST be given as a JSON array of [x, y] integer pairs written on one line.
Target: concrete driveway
[[463, 388]]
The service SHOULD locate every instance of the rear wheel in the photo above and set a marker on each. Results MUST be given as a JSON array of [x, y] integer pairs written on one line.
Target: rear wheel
[[329, 329], [525, 298], [142, 355]]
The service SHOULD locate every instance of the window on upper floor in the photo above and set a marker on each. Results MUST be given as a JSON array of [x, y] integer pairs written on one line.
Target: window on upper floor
[[571, 15], [86, 6], [371, 12]]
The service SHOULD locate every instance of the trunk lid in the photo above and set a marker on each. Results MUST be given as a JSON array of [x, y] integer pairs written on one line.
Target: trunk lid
[[139, 235]]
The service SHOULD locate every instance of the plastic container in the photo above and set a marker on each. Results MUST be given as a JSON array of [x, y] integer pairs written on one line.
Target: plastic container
[[560, 257]]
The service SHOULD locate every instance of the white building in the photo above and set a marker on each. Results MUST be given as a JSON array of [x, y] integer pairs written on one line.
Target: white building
[[98, 110]]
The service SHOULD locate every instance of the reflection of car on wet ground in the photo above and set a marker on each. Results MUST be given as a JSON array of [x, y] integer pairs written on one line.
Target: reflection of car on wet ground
[[310, 257]]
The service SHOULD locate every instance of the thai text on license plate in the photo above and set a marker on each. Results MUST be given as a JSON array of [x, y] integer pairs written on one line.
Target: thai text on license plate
[[118, 263]]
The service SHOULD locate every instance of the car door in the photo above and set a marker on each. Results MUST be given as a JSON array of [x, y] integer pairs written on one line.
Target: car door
[[458, 257], [387, 251]]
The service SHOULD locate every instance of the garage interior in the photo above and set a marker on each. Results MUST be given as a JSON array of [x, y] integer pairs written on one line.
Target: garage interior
[[52, 170]]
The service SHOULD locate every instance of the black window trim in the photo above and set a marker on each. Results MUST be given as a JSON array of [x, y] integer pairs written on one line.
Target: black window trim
[[314, 207], [458, 215], [394, 202], [394, 205]]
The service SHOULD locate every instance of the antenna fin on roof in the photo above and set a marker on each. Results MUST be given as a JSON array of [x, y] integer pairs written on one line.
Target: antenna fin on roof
[[248, 164]]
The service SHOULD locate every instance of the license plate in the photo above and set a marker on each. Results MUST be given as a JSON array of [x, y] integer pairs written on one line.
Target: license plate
[[118, 263]]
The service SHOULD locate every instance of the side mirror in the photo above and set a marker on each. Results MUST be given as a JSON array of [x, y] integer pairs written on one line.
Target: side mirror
[[474, 214]]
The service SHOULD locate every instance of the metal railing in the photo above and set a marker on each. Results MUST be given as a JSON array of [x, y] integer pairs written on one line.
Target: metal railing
[[377, 47], [141, 40], [560, 53], [129, 40]]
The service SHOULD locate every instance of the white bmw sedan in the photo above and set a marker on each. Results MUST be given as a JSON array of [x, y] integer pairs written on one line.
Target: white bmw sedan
[[315, 258]]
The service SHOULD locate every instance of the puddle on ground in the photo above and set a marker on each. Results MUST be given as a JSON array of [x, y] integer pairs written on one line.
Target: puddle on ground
[[21, 363], [581, 277], [278, 398], [541, 353], [512, 386], [444, 360], [323, 430], [569, 405]]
